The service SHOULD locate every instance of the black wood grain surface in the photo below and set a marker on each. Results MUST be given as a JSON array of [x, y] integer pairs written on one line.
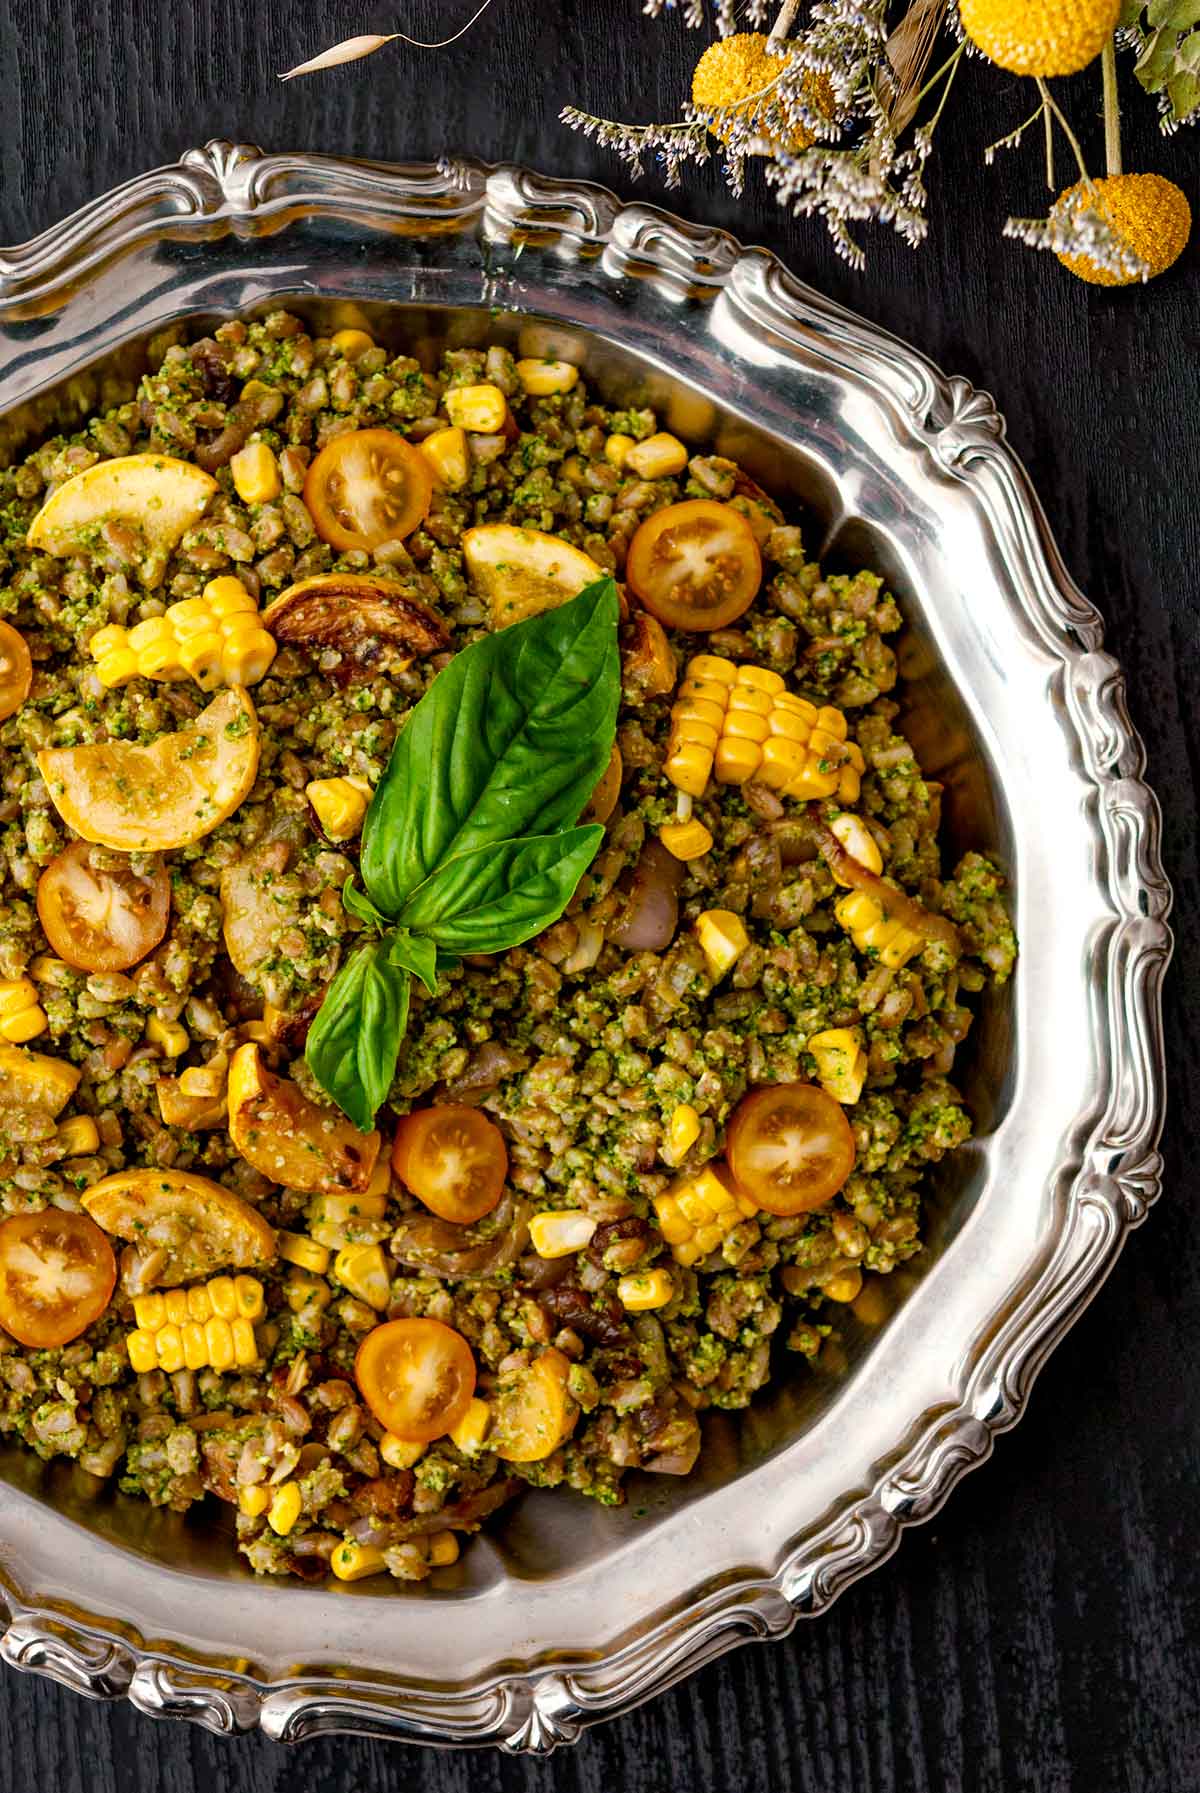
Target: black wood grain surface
[[1043, 1633]]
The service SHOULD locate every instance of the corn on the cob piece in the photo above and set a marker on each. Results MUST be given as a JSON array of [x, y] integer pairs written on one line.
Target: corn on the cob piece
[[695, 1215], [723, 939], [340, 804], [871, 928], [742, 722], [841, 1063], [643, 1290], [215, 639], [557, 1232], [255, 474], [210, 1325], [22, 1016]]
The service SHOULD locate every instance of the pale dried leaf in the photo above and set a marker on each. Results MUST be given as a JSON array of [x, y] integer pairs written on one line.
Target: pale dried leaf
[[351, 49], [909, 48]]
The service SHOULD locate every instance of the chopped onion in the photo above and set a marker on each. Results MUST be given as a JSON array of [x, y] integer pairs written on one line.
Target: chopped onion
[[650, 916]]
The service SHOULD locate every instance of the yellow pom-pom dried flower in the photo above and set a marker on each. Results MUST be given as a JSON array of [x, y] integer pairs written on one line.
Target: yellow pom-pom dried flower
[[1040, 37], [1148, 214], [737, 72]]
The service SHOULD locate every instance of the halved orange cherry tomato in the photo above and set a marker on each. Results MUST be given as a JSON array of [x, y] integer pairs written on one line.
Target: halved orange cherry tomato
[[695, 565], [790, 1148], [57, 1273], [533, 1414], [368, 487], [417, 1377], [16, 671], [104, 918], [453, 1159]]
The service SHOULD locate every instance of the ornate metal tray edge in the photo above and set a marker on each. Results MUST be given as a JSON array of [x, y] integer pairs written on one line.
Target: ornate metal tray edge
[[235, 188]]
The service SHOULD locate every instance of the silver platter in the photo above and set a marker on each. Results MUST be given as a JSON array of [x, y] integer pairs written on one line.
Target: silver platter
[[566, 1613]]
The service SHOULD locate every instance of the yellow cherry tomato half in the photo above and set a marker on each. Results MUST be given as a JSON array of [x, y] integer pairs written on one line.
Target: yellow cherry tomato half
[[790, 1147], [101, 918], [417, 1377], [695, 565], [366, 488], [453, 1159], [57, 1274], [16, 671], [533, 1414]]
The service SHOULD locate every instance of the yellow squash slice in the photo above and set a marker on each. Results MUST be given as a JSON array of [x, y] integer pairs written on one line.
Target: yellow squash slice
[[522, 571], [294, 1141], [152, 799], [200, 1225], [35, 1080], [158, 494]]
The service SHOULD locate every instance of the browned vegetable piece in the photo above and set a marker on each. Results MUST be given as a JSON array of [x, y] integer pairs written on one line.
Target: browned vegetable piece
[[647, 663], [356, 615]]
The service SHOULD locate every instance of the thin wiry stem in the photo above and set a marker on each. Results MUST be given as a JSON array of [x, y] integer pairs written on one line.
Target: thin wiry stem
[[1112, 109], [1067, 132], [1048, 121]]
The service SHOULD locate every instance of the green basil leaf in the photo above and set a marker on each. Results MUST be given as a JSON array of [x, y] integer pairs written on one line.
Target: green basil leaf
[[509, 740], [355, 1040], [499, 895], [414, 954], [357, 902]]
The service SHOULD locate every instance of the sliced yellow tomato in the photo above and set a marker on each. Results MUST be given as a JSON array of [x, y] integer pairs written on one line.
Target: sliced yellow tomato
[[35, 1080], [101, 918], [523, 571], [159, 494], [533, 1414], [368, 487], [57, 1273], [152, 799], [417, 1377], [275, 1127], [603, 799], [790, 1148], [16, 671], [695, 565], [201, 1226]]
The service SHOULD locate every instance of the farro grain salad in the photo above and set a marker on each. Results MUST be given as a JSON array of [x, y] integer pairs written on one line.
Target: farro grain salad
[[479, 986]]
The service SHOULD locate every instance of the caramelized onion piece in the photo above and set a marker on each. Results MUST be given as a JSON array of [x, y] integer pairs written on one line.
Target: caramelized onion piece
[[650, 915], [355, 614], [443, 1248]]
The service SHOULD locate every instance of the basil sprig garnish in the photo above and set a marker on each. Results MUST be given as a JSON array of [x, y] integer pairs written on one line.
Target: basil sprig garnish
[[471, 843]]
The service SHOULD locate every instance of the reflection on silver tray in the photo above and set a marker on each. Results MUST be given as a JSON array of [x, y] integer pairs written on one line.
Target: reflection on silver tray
[[566, 1612]]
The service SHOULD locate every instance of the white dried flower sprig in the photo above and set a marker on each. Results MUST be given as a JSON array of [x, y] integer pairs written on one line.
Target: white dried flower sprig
[[1079, 230]]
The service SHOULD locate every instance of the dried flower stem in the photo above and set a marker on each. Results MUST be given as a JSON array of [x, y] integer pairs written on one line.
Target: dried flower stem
[[1052, 105], [785, 20], [1112, 109], [1049, 124]]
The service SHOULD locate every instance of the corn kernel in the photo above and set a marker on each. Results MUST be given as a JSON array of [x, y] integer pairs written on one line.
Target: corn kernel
[[248, 658], [77, 1137], [695, 1215], [200, 656], [150, 1311], [284, 1509], [858, 841], [255, 474], [245, 1346], [443, 1549], [688, 766], [303, 1288], [340, 804], [645, 1289], [399, 1453], [168, 1348], [199, 1303], [351, 1562], [146, 634], [872, 930], [340, 1210], [22, 1017], [352, 343], [107, 640], [142, 1353], [363, 1270], [175, 1303], [449, 456], [117, 667], [297, 1248], [226, 596], [540, 378], [683, 1130], [218, 1342], [841, 1062], [617, 448], [254, 1500], [556, 1233], [658, 457], [472, 1428], [195, 1348], [723, 939], [845, 1286], [248, 1294], [481, 409], [171, 1036], [160, 660], [223, 1297], [685, 840]]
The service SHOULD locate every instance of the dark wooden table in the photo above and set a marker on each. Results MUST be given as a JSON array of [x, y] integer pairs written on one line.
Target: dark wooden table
[[1043, 1634]]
